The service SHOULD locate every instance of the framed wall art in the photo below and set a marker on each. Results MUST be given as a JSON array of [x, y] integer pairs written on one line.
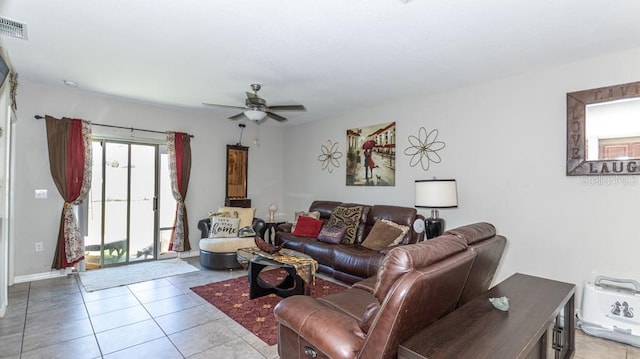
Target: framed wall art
[[237, 173], [371, 155]]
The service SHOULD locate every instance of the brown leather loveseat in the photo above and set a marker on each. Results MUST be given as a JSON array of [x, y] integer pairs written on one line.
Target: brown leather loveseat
[[416, 285], [350, 263]]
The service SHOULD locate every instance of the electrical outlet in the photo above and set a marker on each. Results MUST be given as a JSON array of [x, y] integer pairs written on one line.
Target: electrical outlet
[[41, 194], [39, 246]]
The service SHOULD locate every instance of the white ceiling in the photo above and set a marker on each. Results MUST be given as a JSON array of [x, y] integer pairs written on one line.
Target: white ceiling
[[330, 55]]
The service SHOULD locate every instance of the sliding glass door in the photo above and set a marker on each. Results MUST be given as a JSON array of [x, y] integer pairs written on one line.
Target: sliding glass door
[[122, 218]]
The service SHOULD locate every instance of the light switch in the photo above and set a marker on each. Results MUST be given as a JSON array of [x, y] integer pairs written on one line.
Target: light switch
[[41, 193]]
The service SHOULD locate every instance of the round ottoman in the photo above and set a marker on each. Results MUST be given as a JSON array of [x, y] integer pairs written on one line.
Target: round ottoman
[[220, 253]]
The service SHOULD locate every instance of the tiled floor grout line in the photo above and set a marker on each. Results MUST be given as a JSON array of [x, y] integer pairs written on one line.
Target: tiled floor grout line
[[151, 316], [84, 302], [143, 307], [219, 319], [24, 326], [155, 321]]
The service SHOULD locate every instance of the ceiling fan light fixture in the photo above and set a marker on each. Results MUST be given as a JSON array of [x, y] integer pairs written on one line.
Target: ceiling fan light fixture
[[255, 115]]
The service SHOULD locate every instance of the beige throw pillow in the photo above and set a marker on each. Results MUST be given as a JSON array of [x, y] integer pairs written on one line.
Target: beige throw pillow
[[383, 234], [224, 227], [245, 214], [404, 229]]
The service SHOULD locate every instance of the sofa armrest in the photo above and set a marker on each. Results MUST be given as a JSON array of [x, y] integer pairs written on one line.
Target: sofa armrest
[[368, 284], [284, 227], [332, 332], [259, 226], [203, 226], [386, 250]]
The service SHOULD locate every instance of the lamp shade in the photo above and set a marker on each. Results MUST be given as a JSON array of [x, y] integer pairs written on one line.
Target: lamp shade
[[436, 193], [255, 115]]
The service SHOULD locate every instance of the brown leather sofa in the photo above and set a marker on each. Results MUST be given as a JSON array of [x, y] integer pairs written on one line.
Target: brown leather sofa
[[482, 239], [350, 263], [416, 285], [358, 309]]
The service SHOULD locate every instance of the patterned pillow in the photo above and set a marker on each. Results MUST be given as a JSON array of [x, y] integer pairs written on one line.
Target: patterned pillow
[[347, 218], [224, 227], [331, 235]]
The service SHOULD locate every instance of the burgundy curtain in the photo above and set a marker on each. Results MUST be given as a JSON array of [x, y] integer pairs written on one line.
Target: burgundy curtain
[[69, 142], [179, 148]]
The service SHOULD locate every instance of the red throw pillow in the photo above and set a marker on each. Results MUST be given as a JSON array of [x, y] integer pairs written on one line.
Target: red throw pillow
[[307, 227]]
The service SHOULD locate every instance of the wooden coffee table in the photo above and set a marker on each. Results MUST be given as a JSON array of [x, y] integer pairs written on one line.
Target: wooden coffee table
[[292, 284]]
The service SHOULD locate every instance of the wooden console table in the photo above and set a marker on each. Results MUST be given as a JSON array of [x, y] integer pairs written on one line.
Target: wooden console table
[[532, 328]]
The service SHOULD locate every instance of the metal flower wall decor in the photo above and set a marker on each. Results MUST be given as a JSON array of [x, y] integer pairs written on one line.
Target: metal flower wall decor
[[330, 156], [424, 148]]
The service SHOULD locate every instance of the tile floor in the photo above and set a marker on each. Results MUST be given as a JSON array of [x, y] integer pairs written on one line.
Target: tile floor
[[163, 318], [56, 318]]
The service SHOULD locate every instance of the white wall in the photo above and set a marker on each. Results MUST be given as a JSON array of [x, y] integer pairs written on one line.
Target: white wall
[[38, 220], [506, 146], [5, 173]]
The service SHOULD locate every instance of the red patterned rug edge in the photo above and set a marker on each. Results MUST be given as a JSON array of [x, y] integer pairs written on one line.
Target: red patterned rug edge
[[231, 297]]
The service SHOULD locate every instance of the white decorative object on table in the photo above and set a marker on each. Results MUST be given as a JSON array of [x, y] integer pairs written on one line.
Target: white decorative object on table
[[272, 212], [501, 303]]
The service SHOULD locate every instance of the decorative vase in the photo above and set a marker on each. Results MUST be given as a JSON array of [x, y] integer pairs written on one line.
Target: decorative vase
[[266, 247], [272, 212]]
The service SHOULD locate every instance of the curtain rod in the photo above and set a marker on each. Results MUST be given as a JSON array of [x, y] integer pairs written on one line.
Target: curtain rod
[[39, 117]]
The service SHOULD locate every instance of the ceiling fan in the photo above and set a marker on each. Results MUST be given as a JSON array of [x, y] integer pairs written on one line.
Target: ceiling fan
[[256, 108]]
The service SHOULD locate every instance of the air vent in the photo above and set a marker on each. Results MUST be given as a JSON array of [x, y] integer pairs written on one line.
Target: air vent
[[13, 28]]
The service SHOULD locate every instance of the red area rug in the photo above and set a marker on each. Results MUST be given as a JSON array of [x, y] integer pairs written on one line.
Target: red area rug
[[232, 298]]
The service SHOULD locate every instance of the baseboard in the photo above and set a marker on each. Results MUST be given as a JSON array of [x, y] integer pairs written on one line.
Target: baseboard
[[41, 276], [62, 273], [187, 254]]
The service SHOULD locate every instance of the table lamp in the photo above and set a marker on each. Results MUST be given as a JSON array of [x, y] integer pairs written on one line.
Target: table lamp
[[434, 194]]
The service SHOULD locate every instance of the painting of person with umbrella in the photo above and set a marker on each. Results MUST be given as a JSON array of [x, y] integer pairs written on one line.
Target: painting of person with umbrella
[[371, 147], [369, 165]]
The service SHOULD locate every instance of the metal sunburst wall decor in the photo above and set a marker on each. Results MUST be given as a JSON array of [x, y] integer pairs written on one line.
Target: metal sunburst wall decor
[[424, 148], [330, 156]]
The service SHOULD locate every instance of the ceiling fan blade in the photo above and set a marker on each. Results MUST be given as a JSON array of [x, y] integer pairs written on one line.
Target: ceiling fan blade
[[287, 108], [236, 117], [276, 117], [226, 106]]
